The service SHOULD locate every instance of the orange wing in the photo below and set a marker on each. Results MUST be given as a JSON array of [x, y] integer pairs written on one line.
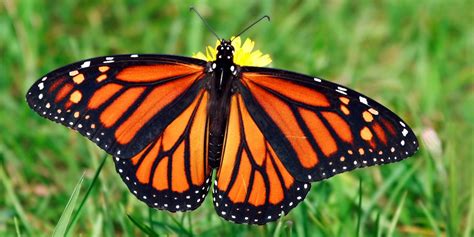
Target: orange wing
[[172, 172], [253, 186], [319, 129], [120, 102]]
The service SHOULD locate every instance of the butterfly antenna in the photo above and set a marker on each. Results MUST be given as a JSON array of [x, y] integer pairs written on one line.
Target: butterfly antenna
[[205, 22], [250, 26]]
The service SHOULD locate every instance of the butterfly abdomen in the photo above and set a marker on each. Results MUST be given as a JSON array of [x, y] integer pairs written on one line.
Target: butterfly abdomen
[[215, 149]]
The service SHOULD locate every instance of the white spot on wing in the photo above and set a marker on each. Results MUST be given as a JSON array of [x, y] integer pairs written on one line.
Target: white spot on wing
[[86, 64], [41, 86], [405, 132], [363, 100], [134, 56], [341, 88], [317, 79]]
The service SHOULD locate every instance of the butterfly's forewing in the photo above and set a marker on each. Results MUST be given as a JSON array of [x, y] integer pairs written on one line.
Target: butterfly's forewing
[[172, 172], [123, 102], [253, 185], [319, 129]]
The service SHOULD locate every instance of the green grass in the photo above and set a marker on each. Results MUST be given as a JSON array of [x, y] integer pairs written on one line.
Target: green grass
[[415, 57]]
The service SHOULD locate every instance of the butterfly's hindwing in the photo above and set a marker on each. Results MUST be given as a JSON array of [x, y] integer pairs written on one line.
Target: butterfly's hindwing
[[172, 172], [253, 186]]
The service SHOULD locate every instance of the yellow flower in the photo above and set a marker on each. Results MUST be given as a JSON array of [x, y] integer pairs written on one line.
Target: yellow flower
[[243, 56]]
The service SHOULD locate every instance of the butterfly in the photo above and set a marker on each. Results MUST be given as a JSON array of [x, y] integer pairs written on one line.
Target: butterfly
[[170, 121]]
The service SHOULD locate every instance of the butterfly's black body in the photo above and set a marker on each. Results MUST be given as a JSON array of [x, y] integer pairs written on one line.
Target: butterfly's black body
[[220, 87]]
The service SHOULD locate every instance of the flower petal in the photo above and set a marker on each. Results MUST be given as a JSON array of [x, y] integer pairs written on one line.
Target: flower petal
[[248, 46], [200, 55], [211, 53], [236, 43]]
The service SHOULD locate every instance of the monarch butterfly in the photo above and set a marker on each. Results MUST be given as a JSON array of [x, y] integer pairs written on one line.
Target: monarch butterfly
[[169, 121]]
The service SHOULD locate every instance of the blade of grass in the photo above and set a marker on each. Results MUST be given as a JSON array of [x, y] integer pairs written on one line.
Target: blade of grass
[[61, 227], [17, 227], [150, 217], [378, 228], [190, 223], [393, 179], [168, 228], [393, 224], [86, 196], [97, 228], [468, 231], [10, 193], [359, 216], [146, 229], [277, 231], [431, 219], [180, 226]]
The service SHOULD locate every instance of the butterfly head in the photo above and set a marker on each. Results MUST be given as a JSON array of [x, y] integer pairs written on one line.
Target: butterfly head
[[225, 51]]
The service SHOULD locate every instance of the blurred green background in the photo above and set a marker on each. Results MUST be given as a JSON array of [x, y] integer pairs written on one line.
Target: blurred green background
[[415, 57]]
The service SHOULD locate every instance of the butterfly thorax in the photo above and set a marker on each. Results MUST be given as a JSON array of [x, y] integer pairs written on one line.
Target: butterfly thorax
[[220, 90]]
